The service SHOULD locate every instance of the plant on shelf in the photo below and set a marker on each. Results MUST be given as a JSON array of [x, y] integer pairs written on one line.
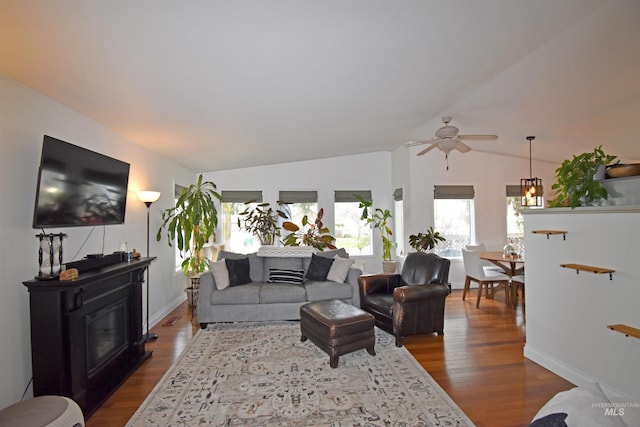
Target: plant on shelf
[[379, 219], [576, 183], [261, 221], [191, 223], [313, 234], [422, 242]]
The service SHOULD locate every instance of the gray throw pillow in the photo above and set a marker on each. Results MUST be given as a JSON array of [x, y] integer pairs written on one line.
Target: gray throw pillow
[[319, 268], [238, 271]]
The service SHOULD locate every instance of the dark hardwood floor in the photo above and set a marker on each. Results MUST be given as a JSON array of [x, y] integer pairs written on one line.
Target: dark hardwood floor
[[478, 362]]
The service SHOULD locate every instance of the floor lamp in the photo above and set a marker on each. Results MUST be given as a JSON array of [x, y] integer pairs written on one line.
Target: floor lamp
[[148, 197]]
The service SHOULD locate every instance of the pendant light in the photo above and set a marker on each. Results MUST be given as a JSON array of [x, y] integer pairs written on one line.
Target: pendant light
[[531, 188]]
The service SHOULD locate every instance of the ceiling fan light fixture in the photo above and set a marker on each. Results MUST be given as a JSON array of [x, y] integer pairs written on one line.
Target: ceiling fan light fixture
[[531, 188]]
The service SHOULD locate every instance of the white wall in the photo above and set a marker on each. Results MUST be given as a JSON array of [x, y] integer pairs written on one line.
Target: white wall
[[25, 117], [567, 313], [359, 172], [488, 173]]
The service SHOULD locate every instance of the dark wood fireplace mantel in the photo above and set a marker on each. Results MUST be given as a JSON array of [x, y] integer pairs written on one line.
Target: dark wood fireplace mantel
[[86, 334]]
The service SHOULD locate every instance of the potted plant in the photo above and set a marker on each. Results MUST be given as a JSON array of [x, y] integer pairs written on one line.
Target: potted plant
[[191, 223], [576, 183], [379, 218], [261, 221], [313, 234], [423, 242]]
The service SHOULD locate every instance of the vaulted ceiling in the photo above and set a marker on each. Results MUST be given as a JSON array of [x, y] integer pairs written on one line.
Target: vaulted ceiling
[[220, 84]]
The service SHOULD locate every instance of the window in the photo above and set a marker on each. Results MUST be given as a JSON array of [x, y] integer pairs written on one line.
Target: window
[[515, 221], [453, 217], [298, 204], [233, 204], [351, 233], [398, 218]]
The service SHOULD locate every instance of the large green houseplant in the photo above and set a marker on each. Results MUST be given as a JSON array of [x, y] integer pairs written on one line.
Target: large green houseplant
[[191, 223], [379, 219], [313, 234], [576, 183], [428, 240], [262, 221]]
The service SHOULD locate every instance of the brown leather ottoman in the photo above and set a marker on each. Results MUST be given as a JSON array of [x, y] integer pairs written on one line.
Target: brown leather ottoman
[[337, 328]]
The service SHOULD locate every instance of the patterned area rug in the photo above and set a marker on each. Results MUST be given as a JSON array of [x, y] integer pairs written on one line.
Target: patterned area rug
[[262, 375]]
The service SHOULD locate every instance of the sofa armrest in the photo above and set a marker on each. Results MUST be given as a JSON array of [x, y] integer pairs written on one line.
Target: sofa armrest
[[406, 294], [207, 287]]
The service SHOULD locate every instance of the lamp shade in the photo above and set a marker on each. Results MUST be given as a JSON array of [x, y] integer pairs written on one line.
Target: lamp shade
[[148, 196]]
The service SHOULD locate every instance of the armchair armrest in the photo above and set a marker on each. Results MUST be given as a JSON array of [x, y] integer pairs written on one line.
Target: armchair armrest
[[406, 294], [377, 283]]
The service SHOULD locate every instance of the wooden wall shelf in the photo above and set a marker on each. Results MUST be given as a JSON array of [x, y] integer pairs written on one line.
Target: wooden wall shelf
[[596, 270], [628, 331], [552, 232]]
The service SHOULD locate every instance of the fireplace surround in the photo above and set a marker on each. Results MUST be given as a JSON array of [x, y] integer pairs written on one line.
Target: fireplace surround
[[86, 334]]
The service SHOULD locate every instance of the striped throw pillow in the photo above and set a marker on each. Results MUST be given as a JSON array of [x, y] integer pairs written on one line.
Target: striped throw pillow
[[279, 275]]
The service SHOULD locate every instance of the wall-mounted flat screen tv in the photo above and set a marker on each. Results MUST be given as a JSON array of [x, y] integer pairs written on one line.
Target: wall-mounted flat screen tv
[[79, 187]]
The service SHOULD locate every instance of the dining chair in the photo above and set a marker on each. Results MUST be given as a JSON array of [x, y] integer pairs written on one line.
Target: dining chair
[[485, 279], [486, 265], [517, 283]]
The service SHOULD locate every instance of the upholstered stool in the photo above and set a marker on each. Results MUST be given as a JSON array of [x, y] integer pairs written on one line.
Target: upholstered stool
[[49, 411], [337, 328]]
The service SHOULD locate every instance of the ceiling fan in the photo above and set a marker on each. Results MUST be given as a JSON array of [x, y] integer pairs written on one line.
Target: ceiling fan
[[447, 139]]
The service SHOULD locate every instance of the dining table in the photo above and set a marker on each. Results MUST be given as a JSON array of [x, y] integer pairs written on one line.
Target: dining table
[[511, 265]]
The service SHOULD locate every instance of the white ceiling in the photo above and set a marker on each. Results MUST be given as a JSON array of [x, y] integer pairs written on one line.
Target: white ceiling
[[220, 84]]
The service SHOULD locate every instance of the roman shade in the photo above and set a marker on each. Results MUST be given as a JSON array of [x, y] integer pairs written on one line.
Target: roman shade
[[298, 196], [348, 195], [516, 191], [397, 194], [242, 196], [453, 192]]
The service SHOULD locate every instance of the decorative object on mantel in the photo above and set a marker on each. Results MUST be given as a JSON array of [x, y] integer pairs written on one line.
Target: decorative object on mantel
[[262, 374], [285, 251], [146, 197], [49, 255], [531, 188], [576, 182], [623, 170]]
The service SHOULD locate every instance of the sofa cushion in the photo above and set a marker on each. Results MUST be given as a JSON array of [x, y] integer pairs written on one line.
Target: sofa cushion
[[271, 293], [318, 268], [256, 270], [220, 273], [245, 294], [238, 271], [324, 290], [339, 269], [292, 277], [342, 253], [283, 263], [378, 303]]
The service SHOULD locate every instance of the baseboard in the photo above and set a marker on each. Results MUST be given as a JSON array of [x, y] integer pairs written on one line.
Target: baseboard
[[568, 372], [166, 310]]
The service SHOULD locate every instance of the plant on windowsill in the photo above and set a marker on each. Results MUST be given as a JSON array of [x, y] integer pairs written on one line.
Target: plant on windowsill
[[261, 221], [379, 218], [423, 242], [576, 183], [191, 223], [313, 234]]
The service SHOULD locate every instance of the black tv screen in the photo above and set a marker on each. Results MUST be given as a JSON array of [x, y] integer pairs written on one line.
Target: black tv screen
[[79, 187]]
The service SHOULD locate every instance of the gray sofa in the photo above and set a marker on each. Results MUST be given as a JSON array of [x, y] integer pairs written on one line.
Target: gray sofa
[[260, 300]]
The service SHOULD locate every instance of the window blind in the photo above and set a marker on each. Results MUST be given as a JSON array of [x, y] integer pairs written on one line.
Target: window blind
[[298, 196], [348, 195], [453, 192], [397, 194], [241, 196]]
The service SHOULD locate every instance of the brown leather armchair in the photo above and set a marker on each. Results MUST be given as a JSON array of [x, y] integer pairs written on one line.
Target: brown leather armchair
[[411, 302]]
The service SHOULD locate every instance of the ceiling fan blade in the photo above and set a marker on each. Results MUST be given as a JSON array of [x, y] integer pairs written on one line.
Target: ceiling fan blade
[[426, 150], [462, 147], [426, 141], [478, 137]]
